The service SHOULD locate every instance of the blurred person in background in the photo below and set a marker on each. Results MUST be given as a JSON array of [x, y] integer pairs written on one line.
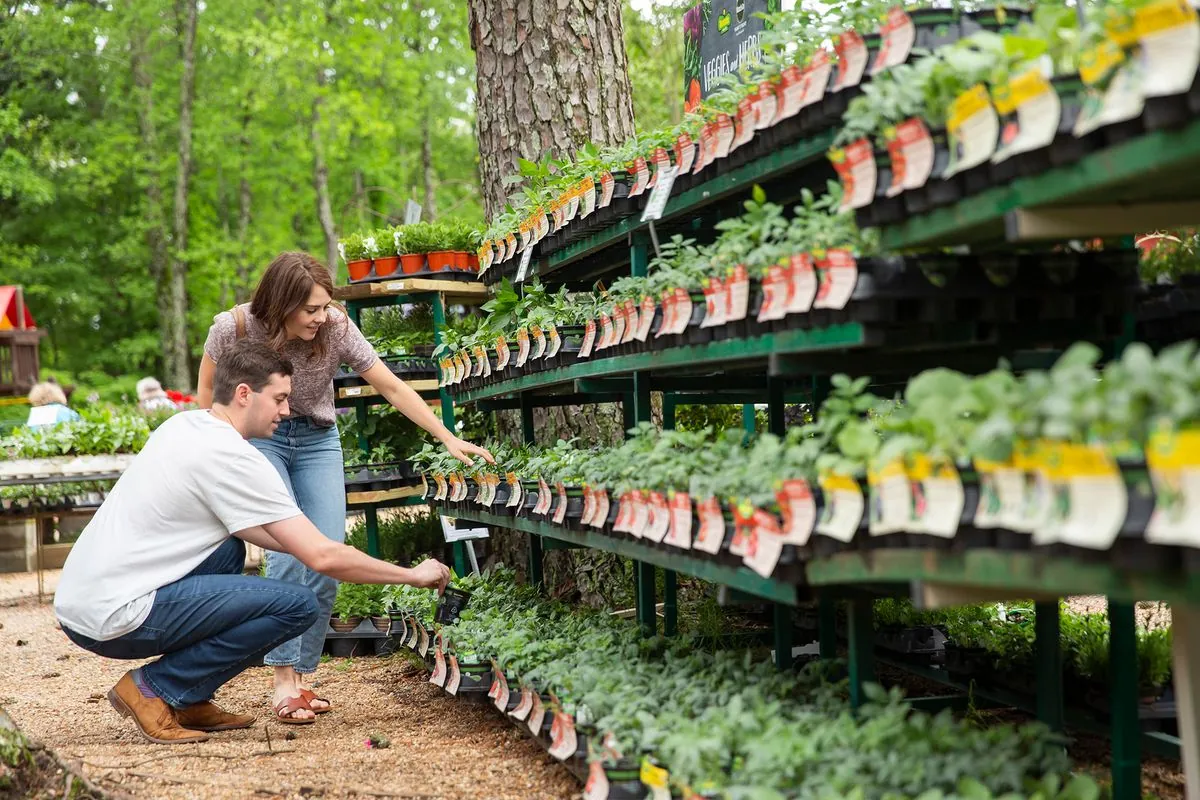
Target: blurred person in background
[[49, 403], [151, 396]]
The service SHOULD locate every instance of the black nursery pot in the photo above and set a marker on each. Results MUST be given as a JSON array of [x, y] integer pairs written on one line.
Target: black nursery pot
[[939, 191], [451, 605], [935, 27]]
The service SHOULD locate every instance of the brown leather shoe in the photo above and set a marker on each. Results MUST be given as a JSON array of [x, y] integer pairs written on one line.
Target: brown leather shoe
[[208, 716], [154, 719]]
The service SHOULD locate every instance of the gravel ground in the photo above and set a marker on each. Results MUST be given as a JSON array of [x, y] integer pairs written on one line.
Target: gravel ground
[[440, 747]]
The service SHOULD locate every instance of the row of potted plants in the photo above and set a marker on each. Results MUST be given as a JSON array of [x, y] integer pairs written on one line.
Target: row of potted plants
[[422, 248], [1079, 457], [99, 432], [53, 496], [667, 718]]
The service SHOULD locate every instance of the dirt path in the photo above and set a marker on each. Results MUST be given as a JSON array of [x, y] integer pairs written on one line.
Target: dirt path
[[440, 747]]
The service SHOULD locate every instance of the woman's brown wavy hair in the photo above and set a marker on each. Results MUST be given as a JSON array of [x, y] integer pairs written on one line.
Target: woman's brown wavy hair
[[284, 287]]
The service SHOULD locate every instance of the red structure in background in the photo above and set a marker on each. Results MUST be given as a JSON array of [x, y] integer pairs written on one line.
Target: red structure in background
[[19, 337]]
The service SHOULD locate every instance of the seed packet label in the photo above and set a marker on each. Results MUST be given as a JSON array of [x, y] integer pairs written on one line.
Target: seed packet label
[[645, 319], [442, 488], [910, 148], [1030, 112], [775, 287], [737, 294], [798, 509], [656, 779], [765, 545], [545, 498], [589, 339], [589, 198], [443, 372], [620, 324], [708, 147], [685, 153], [563, 744], [573, 206], [1170, 51], [500, 689], [536, 716], [844, 507], [724, 136], [422, 642], [711, 535], [973, 128], [560, 510], [516, 491], [938, 497], [600, 518], [1089, 501], [554, 342], [522, 347], [484, 254], [607, 184], [596, 787], [891, 508], [452, 683], [804, 286], [852, 59], [855, 167], [680, 531], [467, 367], [1174, 461], [521, 712], [502, 354], [438, 676], [715, 302], [838, 273], [896, 40], [544, 228]]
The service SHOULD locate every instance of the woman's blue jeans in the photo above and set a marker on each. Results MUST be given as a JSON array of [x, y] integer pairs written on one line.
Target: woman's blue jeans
[[309, 459]]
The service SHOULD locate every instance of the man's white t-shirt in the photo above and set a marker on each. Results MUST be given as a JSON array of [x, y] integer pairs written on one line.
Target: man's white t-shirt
[[194, 483]]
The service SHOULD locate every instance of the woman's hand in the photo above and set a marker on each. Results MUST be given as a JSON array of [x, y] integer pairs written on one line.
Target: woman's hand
[[465, 452]]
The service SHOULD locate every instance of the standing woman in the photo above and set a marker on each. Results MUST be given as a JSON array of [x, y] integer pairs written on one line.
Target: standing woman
[[293, 312]]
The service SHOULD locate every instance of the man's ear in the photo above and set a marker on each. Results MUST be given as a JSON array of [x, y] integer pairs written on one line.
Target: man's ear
[[242, 393]]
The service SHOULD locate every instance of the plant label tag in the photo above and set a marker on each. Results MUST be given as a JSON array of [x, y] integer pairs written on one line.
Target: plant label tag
[[661, 161], [411, 644], [775, 287], [852, 59], [607, 184], [804, 284], [455, 678], [453, 487], [656, 779], [545, 497], [707, 147], [1029, 110], [589, 506], [464, 357], [1121, 101], [1170, 51], [896, 40], [987, 511], [724, 136], [685, 154], [422, 641], [683, 310], [745, 122], [596, 787], [589, 339], [911, 150], [641, 176], [560, 511], [660, 517], [522, 347], [798, 509], [424, 487], [515, 489], [501, 696], [662, 192], [564, 744], [523, 269], [632, 322], [526, 233], [768, 106], [680, 534], [737, 294], [443, 373], [711, 535], [480, 361], [606, 331], [521, 712], [766, 544], [668, 314], [645, 319], [502, 354], [573, 206], [855, 166], [536, 715], [838, 273], [484, 254], [844, 507], [1036, 495], [438, 676], [816, 78], [1092, 509], [890, 510], [743, 526], [442, 488], [1174, 461], [974, 130], [510, 242], [555, 342], [714, 303], [600, 519], [790, 92], [937, 497], [620, 323], [641, 515], [624, 513], [539, 341]]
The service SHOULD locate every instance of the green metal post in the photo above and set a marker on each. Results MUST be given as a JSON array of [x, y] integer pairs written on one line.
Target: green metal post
[[827, 627], [776, 422], [1049, 665], [461, 565], [641, 397], [535, 560], [670, 602], [783, 635], [628, 414], [862, 648], [372, 532], [668, 411], [644, 576], [354, 311], [639, 256], [527, 432], [1126, 731], [748, 421]]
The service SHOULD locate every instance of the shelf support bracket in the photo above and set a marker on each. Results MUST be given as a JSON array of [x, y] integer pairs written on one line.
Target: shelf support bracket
[[644, 592], [535, 560], [527, 432], [862, 647], [670, 602], [372, 531], [1049, 664], [827, 627], [1126, 731]]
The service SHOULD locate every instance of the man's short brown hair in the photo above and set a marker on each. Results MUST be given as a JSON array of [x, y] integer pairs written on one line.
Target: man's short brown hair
[[251, 363]]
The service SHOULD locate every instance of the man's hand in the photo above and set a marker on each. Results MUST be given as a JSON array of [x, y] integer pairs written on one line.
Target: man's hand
[[431, 574], [465, 451]]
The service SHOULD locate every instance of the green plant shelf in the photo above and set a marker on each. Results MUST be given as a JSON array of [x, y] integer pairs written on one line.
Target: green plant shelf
[[1155, 170], [739, 578], [1020, 574], [836, 337]]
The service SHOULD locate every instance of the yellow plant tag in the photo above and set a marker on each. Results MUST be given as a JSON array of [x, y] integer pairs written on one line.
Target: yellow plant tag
[[1097, 62], [967, 105], [1163, 15], [654, 777], [1020, 90]]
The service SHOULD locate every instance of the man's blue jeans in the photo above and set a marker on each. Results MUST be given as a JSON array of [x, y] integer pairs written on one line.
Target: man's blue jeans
[[209, 626], [309, 459]]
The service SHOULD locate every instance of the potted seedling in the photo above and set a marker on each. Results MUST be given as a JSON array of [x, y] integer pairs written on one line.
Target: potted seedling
[[387, 257], [420, 238], [358, 260], [352, 603], [441, 255]]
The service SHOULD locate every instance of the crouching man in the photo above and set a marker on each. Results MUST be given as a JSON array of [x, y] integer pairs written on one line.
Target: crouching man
[[158, 570]]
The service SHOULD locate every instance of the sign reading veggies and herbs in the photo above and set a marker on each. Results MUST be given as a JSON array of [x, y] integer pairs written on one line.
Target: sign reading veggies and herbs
[[719, 37]]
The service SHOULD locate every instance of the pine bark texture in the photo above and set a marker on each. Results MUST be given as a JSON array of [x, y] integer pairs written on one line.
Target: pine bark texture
[[178, 372], [550, 75]]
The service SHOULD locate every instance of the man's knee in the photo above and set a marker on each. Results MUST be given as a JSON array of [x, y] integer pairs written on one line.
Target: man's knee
[[304, 607]]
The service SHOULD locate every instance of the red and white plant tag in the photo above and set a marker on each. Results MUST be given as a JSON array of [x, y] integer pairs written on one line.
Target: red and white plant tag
[[855, 166], [499, 688], [632, 322], [438, 676], [839, 277], [681, 521], [502, 354], [714, 303], [641, 176], [819, 72], [600, 518], [789, 91], [645, 319], [775, 286], [641, 514], [685, 153], [661, 161], [563, 741], [597, 787], [897, 37], [668, 313], [422, 642], [413, 627], [560, 512], [765, 544], [768, 105], [852, 59], [522, 347], [544, 498], [589, 505], [607, 184], [624, 514], [606, 332], [515, 491], [708, 145], [536, 716], [911, 152], [683, 311], [712, 527], [589, 339], [555, 342], [521, 712], [539, 342], [743, 527], [745, 122], [660, 521], [480, 361], [442, 488], [588, 198], [724, 136], [798, 509], [455, 678], [737, 294]]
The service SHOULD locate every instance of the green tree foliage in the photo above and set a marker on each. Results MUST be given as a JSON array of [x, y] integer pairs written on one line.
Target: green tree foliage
[[654, 44]]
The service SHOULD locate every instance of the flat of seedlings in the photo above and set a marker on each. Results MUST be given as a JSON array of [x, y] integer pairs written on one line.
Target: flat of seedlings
[[440, 747]]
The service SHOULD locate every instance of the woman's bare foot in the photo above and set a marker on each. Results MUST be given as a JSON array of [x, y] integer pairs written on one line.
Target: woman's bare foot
[[287, 685]]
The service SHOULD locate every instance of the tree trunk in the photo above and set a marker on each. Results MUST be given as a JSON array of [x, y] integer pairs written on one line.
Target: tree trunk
[[321, 177], [427, 173], [551, 75], [156, 235], [177, 370]]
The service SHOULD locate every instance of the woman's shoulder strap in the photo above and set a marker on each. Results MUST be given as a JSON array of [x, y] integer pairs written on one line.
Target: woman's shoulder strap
[[239, 321]]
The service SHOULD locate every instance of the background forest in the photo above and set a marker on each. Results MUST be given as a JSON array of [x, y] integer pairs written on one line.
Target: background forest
[[154, 156]]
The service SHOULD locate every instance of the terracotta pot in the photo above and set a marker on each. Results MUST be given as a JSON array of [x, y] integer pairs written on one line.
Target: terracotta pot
[[460, 260], [472, 262], [359, 269], [386, 266], [441, 260], [413, 263], [344, 624]]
